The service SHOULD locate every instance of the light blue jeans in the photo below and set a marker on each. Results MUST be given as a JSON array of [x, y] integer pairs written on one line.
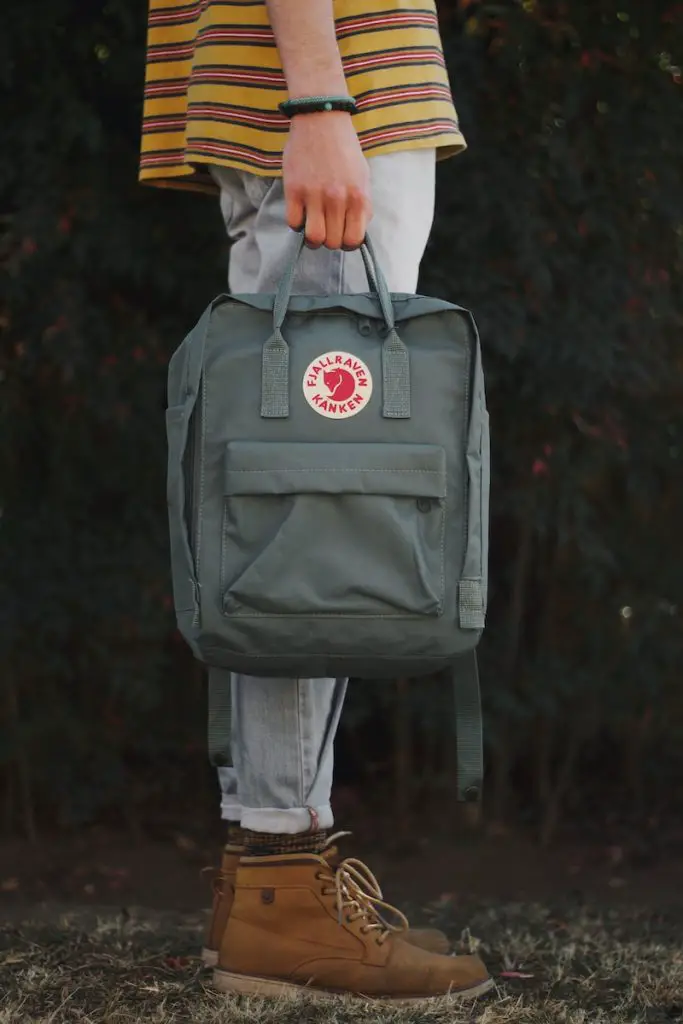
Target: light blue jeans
[[283, 729]]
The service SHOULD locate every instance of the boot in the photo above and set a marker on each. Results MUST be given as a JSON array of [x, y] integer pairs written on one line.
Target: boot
[[224, 892], [432, 939], [223, 895], [302, 924]]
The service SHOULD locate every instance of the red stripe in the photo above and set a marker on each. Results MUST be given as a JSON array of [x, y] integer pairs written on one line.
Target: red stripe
[[170, 13], [167, 15], [224, 75], [247, 35], [165, 88], [171, 52], [152, 159], [170, 19], [216, 149], [346, 27], [259, 77], [170, 124], [416, 93], [231, 114], [410, 129], [392, 57]]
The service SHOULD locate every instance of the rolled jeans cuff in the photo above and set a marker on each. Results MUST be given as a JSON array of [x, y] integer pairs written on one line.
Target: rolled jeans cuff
[[289, 821], [231, 808], [231, 811]]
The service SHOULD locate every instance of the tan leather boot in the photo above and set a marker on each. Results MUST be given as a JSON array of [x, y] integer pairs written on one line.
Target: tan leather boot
[[223, 895], [432, 939], [301, 924], [224, 892]]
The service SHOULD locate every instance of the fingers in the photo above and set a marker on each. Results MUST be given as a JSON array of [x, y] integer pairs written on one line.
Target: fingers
[[358, 213], [334, 205], [295, 207], [332, 217], [316, 229]]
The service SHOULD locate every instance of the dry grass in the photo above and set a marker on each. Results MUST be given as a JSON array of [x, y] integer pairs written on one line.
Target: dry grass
[[587, 968]]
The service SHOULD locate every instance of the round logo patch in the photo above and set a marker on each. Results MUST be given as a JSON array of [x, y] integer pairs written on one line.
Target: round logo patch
[[337, 385]]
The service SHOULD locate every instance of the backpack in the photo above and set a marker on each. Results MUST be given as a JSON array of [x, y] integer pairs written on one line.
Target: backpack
[[328, 481]]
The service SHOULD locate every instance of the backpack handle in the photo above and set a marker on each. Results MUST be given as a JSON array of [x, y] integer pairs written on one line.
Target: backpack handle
[[376, 281], [395, 357]]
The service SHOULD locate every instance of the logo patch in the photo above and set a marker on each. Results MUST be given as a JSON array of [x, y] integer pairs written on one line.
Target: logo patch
[[337, 385]]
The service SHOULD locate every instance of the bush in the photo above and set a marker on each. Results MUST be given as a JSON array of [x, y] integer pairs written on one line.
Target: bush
[[562, 228]]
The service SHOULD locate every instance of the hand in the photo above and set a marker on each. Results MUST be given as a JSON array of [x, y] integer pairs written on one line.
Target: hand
[[326, 180]]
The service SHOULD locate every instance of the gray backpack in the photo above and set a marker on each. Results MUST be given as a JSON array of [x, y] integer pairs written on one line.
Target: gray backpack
[[328, 480]]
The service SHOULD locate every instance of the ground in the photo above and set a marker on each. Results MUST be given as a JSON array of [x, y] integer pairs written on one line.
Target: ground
[[99, 931]]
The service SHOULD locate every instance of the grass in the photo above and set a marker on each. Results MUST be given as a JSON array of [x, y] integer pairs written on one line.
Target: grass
[[578, 966]]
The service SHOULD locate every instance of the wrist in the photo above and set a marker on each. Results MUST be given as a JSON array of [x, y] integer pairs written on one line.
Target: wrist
[[320, 118], [317, 82], [318, 104]]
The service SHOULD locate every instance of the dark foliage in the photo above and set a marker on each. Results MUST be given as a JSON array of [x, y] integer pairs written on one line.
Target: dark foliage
[[562, 228]]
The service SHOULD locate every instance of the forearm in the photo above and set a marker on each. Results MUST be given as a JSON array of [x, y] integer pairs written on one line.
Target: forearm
[[307, 44]]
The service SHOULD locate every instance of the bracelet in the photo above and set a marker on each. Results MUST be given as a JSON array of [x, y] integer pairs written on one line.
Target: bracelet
[[318, 104]]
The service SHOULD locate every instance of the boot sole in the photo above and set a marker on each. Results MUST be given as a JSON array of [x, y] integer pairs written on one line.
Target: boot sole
[[210, 957], [270, 988]]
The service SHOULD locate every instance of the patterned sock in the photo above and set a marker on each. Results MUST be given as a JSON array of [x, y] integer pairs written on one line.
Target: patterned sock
[[235, 836], [265, 844]]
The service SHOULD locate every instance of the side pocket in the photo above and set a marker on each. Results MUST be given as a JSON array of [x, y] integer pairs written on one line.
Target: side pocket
[[485, 503], [182, 564]]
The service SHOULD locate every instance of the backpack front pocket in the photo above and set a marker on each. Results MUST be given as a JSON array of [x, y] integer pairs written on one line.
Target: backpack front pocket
[[333, 529]]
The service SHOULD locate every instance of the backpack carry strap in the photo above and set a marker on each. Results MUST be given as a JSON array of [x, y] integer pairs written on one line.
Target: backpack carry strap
[[194, 366], [395, 356], [468, 728]]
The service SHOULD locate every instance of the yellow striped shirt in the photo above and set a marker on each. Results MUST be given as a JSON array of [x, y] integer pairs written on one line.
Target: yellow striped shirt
[[214, 81]]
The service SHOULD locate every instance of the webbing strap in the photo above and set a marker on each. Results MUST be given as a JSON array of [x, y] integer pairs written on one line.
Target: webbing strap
[[275, 377], [395, 378], [220, 718], [468, 728], [471, 605]]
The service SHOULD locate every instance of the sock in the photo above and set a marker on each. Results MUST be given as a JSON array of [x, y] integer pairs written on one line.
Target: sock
[[265, 844], [235, 836]]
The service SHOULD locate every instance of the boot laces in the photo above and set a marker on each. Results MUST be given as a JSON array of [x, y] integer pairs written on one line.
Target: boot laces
[[359, 896]]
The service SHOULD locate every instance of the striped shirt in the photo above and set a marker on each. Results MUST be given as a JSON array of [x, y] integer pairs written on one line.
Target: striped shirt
[[214, 81]]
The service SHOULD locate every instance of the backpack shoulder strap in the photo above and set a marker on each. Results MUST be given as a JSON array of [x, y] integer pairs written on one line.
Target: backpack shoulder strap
[[468, 727]]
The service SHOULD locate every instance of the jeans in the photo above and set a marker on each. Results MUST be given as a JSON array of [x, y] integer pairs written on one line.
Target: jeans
[[283, 729]]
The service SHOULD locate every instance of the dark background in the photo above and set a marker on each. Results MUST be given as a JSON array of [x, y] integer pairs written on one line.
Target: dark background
[[562, 228]]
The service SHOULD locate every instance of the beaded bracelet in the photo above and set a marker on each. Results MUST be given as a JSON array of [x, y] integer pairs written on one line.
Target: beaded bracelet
[[318, 104]]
